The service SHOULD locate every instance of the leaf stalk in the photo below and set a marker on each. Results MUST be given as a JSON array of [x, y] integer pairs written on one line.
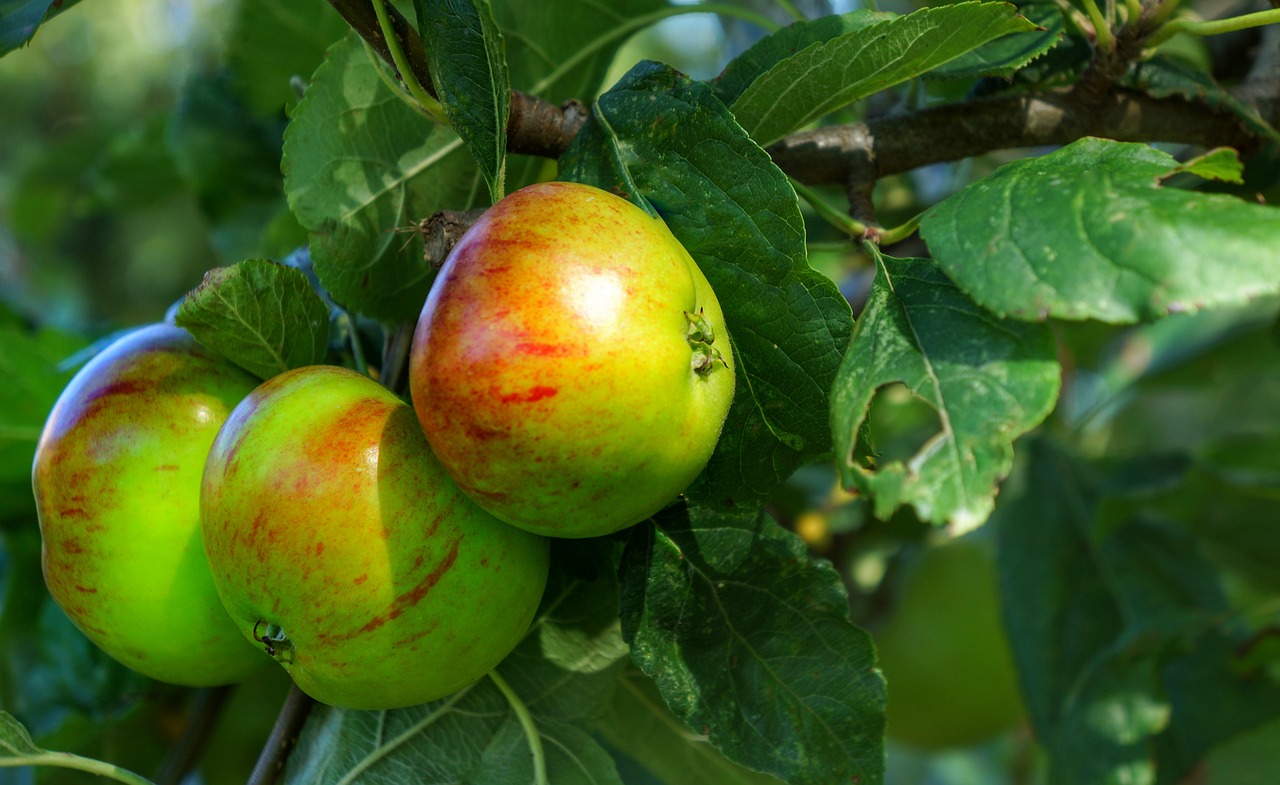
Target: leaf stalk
[[432, 106], [530, 728]]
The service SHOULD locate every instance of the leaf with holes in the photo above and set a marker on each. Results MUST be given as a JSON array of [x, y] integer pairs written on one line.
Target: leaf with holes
[[988, 380]]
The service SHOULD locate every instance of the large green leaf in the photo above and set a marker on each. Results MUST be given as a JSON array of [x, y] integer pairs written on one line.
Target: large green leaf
[[1115, 620], [988, 380], [469, 70], [737, 215], [564, 673], [262, 316], [832, 74], [750, 644], [1088, 232], [773, 49], [273, 41], [362, 168]]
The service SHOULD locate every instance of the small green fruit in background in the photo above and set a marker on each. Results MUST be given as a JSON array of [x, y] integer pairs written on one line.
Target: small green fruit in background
[[117, 487], [944, 652], [339, 543], [571, 365]]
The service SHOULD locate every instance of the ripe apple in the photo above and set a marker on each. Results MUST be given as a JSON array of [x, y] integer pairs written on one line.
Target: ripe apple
[[339, 543], [571, 366], [944, 652], [117, 488]]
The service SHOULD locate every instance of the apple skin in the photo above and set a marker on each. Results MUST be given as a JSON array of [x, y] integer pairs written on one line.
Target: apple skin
[[552, 365], [116, 479], [944, 652], [340, 544]]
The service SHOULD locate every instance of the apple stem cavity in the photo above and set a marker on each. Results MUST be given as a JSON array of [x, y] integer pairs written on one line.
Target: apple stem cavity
[[700, 330], [701, 336], [273, 639]]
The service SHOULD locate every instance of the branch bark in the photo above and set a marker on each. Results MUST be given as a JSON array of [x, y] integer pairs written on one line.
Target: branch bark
[[899, 143], [853, 155]]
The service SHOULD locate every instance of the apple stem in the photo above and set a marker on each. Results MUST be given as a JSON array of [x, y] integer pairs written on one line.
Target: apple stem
[[294, 713], [182, 757], [527, 723]]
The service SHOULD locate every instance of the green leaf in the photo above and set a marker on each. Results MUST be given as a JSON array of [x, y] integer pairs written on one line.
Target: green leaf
[[1221, 163], [830, 75], [750, 644], [362, 168], [274, 41], [773, 49], [262, 316], [1162, 76], [988, 380], [565, 53], [469, 70], [1086, 232], [32, 366], [564, 671], [737, 215], [640, 726], [1116, 622], [19, 20], [17, 749], [14, 739], [1005, 55]]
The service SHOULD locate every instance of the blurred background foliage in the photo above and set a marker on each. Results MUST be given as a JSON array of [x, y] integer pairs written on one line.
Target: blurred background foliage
[[139, 147]]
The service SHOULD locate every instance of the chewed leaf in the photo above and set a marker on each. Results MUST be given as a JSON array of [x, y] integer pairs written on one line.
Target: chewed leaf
[[988, 380], [1089, 232]]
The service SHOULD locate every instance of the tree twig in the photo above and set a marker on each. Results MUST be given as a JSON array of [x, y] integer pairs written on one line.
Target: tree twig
[[293, 714], [186, 752], [857, 154]]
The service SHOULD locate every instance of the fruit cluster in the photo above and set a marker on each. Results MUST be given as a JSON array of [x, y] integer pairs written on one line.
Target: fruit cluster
[[569, 378]]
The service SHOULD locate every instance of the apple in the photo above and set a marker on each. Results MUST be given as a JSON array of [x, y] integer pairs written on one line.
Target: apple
[[571, 366], [944, 652], [116, 479], [339, 543]]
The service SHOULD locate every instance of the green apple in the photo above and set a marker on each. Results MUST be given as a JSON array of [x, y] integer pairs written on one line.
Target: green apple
[[571, 365], [340, 545], [117, 488], [944, 652]]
